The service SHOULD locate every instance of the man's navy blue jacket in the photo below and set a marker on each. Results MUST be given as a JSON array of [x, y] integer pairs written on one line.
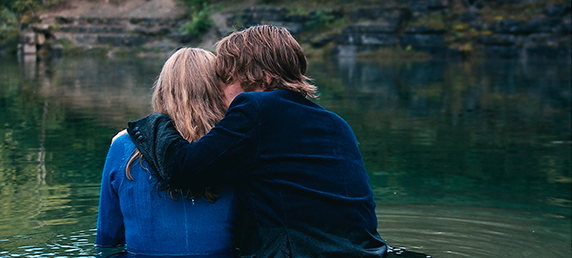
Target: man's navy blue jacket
[[301, 186]]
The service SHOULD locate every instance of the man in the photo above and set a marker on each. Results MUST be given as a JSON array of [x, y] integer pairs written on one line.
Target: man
[[301, 186]]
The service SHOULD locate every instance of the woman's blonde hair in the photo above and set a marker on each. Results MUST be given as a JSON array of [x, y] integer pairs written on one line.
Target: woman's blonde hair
[[187, 90]]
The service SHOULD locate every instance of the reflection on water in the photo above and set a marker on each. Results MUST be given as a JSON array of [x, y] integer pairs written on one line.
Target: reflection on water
[[446, 231], [56, 120], [466, 159]]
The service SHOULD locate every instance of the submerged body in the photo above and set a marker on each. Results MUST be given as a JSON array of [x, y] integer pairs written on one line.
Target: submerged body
[[133, 213], [301, 186]]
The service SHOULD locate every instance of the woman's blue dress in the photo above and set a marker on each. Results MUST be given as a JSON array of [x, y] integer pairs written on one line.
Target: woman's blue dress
[[147, 221]]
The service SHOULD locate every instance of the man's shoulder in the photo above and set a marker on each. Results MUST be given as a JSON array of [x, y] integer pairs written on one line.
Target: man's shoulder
[[268, 94], [276, 98], [287, 103]]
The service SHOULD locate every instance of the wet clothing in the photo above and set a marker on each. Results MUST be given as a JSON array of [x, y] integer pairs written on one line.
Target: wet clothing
[[301, 186], [136, 214]]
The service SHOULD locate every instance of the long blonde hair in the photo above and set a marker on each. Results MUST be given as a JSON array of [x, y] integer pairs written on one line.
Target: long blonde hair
[[187, 90]]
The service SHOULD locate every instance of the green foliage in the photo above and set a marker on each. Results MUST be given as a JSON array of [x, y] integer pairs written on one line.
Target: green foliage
[[305, 4], [24, 5], [431, 20], [321, 19], [7, 18], [199, 23], [199, 12], [300, 11], [26, 10], [9, 34], [195, 6]]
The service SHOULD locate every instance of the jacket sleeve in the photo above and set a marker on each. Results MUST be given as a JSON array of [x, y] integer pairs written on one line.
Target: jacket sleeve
[[227, 150], [110, 227]]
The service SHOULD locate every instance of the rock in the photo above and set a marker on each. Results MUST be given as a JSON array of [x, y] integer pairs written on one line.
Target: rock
[[40, 38], [543, 25], [547, 46], [369, 35], [371, 28], [498, 40], [28, 49], [373, 25], [181, 38], [542, 52], [479, 25], [319, 41], [422, 41], [220, 23], [364, 40], [423, 29], [547, 40], [293, 27], [258, 15], [85, 39], [394, 15], [28, 38], [512, 26], [295, 22], [469, 16], [73, 29], [154, 31], [64, 20], [40, 28], [423, 38], [420, 8], [555, 10], [566, 25], [501, 51], [122, 40]]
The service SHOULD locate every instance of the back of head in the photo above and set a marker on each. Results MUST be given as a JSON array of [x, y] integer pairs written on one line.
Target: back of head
[[187, 90], [263, 56]]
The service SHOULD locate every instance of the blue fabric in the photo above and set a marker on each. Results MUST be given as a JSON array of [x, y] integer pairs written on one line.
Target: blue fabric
[[146, 220], [301, 186]]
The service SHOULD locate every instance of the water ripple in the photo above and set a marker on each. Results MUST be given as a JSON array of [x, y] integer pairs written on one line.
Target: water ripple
[[443, 232]]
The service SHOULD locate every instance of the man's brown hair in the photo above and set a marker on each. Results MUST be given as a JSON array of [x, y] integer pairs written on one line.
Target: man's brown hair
[[263, 56]]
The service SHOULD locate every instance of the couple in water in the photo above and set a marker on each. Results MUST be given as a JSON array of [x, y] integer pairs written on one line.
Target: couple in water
[[237, 161]]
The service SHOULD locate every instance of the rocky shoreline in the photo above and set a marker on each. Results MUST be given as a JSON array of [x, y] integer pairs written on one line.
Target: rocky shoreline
[[442, 28]]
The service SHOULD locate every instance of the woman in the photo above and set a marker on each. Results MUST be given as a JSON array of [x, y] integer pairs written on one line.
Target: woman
[[139, 211]]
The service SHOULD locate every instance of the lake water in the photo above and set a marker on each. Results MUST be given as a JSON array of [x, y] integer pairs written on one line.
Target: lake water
[[466, 159]]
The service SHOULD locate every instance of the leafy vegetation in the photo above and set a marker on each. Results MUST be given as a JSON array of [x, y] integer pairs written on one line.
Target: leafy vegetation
[[12, 14], [27, 10], [199, 12], [321, 19], [431, 20], [8, 29]]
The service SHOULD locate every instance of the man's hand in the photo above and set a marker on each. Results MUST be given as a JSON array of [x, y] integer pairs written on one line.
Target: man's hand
[[122, 132]]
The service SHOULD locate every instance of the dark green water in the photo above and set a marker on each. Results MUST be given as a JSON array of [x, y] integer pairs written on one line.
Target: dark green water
[[466, 159]]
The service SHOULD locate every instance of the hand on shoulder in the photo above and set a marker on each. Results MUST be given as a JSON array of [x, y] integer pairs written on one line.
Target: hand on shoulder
[[119, 134]]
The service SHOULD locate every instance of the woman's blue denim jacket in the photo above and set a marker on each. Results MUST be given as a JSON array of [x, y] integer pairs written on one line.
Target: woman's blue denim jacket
[[136, 214], [301, 186]]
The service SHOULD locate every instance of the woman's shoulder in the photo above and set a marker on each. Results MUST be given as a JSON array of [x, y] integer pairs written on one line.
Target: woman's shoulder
[[122, 144]]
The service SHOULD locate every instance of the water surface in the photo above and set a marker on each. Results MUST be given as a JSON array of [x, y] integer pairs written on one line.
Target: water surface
[[466, 159]]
